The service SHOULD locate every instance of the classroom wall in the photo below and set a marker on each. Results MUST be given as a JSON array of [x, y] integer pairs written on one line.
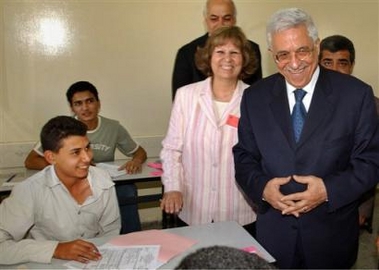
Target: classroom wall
[[127, 49]]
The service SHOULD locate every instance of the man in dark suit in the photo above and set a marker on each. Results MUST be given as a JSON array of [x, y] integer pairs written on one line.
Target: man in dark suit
[[306, 188], [338, 53], [216, 13]]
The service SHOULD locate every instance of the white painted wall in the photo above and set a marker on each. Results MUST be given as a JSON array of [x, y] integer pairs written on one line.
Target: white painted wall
[[127, 49]]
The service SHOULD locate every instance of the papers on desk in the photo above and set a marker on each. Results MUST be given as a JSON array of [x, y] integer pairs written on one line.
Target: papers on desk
[[112, 169], [9, 184], [157, 166], [138, 250], [116, 257], [9, 180], [171, 244]]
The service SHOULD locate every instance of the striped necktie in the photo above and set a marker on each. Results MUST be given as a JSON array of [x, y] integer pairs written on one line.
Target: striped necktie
[[298, 113]]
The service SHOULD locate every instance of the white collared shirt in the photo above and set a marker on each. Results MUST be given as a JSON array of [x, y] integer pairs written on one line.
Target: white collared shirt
[[40, 213], [309, 88]]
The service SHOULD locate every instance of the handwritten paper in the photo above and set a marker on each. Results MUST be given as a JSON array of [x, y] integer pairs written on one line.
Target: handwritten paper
[[171, 244], [132, 257]]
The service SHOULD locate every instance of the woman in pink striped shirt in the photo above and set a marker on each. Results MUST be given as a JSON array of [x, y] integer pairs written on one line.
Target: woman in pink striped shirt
[[197, 159]]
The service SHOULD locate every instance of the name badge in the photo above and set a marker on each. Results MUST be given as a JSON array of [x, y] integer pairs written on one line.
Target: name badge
[[232, 120]]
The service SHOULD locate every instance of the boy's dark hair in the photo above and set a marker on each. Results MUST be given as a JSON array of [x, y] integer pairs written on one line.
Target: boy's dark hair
[[59, 128], [81, 86], [223, 257]]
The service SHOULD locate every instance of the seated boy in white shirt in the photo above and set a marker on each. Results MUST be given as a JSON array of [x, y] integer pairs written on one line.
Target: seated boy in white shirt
[[52, 212]]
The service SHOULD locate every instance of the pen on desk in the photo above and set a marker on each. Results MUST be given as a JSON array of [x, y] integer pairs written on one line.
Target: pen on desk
[[11, 177]]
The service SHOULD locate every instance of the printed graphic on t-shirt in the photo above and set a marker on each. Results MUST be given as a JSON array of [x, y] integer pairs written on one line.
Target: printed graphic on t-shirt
[[100, 147]]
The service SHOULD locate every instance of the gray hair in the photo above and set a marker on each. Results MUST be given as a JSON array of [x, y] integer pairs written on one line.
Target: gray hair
[[289, 18], [205, 11]]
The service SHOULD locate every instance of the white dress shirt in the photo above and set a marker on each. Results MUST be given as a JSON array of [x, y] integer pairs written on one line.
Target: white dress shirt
[[40, 213]]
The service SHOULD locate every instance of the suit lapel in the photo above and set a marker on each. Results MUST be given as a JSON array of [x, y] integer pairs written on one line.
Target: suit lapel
[[321, 107], [280, 109]]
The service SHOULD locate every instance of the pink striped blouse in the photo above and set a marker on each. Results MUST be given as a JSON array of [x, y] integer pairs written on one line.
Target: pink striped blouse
[[197, 157]]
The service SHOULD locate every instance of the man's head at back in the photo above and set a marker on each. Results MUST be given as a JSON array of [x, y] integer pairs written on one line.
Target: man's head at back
[[337, 53], [59, 128], [84, 102], [81, 86], [223, 257], [219, 13]]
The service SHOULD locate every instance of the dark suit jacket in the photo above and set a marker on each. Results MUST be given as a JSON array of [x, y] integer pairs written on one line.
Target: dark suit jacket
[[186, 72], [339, 143]]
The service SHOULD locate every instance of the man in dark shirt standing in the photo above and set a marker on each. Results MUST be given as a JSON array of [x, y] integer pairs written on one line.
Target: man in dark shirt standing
[[216, 13]]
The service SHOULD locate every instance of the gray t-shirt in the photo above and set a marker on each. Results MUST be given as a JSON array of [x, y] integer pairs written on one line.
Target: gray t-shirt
[[105, 139]]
